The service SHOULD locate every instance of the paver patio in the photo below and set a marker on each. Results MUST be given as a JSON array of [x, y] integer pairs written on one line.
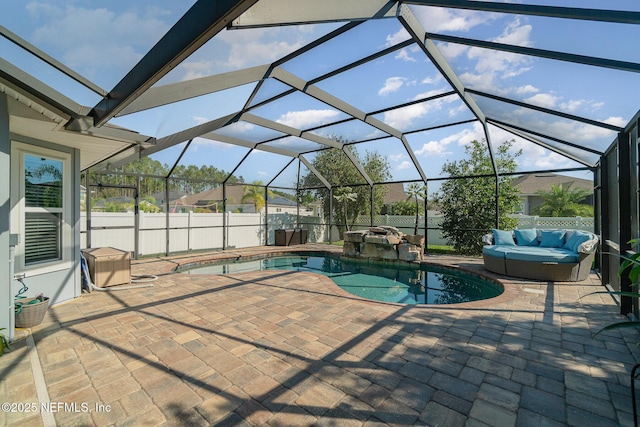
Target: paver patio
[[288, 348]]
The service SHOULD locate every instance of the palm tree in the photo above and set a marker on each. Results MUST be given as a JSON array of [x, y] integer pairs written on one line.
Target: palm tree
[[345, 195], [416, 190], [255, 193], [563, 201]]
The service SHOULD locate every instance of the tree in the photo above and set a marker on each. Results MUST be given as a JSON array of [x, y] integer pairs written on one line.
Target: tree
[[147, 166], [344, 195], [198, 179], [468, 204], [404, 208], [148, 205], [416, 190], [255, 193], [335, 166], [563, 201]]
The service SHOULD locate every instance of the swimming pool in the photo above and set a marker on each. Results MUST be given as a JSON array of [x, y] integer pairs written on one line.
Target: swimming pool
[[410, 284]]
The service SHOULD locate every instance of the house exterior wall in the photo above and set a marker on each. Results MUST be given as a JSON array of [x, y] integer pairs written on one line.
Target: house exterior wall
[[58, 281]]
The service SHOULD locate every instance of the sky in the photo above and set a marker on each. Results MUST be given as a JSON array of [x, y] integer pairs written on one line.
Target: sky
[[103, 40]]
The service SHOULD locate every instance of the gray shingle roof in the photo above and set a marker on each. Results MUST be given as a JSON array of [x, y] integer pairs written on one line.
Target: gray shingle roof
[[532, 184]]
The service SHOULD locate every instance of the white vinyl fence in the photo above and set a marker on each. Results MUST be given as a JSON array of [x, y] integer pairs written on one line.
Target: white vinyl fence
[[187, 231], [204, 231], [190, 231]]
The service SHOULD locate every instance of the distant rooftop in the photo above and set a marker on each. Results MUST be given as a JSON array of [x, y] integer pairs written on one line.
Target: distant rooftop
[[532, 184]]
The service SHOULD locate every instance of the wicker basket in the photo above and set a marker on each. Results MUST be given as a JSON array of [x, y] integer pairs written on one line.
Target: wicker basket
[[31, 314]]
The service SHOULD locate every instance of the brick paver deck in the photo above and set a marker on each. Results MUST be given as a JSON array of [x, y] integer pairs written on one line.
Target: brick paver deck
[[286, 348]]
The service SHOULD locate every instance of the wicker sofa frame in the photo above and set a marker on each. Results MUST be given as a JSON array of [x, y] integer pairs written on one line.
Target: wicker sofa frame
[[548, 271]]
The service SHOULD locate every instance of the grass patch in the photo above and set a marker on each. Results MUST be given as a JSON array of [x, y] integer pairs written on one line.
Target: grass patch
[[337, 243], [441, 249]]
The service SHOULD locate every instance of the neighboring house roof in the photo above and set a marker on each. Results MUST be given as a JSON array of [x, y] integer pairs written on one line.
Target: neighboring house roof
[[234, 195], [173, 196], [212, 195], [281, 201], [530, 185], [396, 193]]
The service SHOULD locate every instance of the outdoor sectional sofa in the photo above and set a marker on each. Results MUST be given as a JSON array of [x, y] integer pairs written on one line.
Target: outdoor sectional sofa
[[553, 255]]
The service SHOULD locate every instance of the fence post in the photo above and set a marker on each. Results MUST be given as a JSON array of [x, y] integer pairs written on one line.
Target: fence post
[[141, 228], [226, 229], [189, 222]]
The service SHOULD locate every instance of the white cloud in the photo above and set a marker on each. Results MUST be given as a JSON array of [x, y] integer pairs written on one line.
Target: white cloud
[[526, 89], [491, 65], [397, 37], [569, 129], [402, 118], [239, 128], [533, 157], [497, 62], [232, 50], [466, 136], [545, 100], [256, 52], [391, 85], [427, 94], [457, 110], [574, 105], [452, 50], [462, 138], [516, 34], [307, 118], [436, 19], [431, 80], [396, 157], [405, 165], [616, 121], [196, 69], [404, 55], [551, 160], [433, 148], [482, 81]]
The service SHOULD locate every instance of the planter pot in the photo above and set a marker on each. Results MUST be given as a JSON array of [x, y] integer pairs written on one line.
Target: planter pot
[[31, 313]]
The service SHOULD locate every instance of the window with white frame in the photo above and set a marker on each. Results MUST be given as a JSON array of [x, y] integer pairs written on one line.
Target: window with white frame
[[43, 207]]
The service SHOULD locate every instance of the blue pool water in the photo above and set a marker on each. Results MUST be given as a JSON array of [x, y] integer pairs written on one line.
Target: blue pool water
[[398, 284]]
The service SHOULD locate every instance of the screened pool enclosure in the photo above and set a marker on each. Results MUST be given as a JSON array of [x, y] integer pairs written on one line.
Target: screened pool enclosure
[[236, 118]]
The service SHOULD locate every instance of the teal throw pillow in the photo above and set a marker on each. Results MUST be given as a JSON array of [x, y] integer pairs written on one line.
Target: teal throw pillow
[[501, 237], [527, 237], [578, 238], [552, 238]]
